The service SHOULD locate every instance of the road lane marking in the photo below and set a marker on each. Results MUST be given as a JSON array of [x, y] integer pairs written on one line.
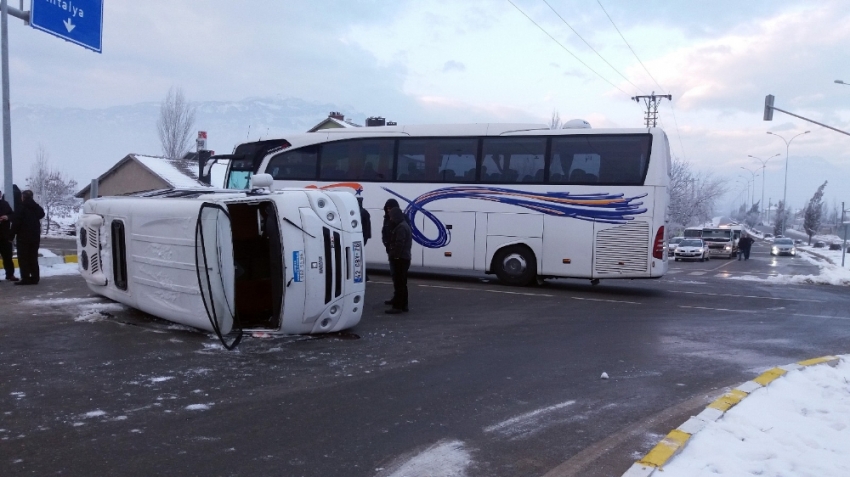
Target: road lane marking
[[604, 300], [721, 266], [718, 309], [743, 296], [697, 273], [487, 290], [822, 316], [525, 422]]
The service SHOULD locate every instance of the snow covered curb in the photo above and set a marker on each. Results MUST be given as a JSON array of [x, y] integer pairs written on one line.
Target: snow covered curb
[[830, 274], [675, 441]]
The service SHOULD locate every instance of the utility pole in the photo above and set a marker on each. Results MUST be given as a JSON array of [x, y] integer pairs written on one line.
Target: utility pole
[[843, 245], [5, 11], [651, 102]]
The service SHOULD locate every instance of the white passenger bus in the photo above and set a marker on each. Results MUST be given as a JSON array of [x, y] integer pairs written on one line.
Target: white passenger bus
[[285, 261], [518, 200]]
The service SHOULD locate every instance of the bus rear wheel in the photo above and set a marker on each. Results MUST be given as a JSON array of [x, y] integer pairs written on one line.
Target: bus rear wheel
[[515, 265]]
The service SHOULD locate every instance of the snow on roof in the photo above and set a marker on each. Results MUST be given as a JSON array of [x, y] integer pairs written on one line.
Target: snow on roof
[[177, 172]]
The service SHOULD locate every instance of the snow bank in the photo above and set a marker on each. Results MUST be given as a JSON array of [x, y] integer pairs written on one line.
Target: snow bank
[[830, 274], [798, 425]]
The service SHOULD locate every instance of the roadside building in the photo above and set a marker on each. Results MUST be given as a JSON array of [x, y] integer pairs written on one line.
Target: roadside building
[[335, 120], [137, 172]]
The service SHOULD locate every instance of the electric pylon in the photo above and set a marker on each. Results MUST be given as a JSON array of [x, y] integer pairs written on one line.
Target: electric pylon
[[651, 102]]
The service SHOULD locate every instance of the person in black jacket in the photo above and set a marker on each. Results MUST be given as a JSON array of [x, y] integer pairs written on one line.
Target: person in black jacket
[[386, 230], [27, 229], [6, 216], [398, 248], [745, 244], [366, 223]]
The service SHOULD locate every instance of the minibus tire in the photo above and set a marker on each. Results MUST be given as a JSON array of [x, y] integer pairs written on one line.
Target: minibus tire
[[515, 265]]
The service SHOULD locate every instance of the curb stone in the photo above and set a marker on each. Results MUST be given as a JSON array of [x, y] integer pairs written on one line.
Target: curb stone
[[48, 261], [675, 441]]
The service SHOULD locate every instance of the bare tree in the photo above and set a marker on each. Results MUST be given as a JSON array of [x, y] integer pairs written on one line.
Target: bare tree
[[176, 120], [693, 195], [52, 190], [555, 120]]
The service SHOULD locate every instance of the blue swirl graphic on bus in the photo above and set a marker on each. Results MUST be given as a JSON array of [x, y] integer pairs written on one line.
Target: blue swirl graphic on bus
[[599, 207]]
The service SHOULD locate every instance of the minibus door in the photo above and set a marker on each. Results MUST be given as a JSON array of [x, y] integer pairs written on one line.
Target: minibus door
[[215, 267]]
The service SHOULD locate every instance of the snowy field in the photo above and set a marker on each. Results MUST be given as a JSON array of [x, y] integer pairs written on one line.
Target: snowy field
[[799, 425]]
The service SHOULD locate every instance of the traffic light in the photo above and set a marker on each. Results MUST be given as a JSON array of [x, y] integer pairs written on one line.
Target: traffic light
[[768, 107]]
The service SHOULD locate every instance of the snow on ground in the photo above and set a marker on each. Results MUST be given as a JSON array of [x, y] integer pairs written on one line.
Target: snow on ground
[[46, 253], [444, 459], [529, 422], [55, 270], [830, 273], [833, 256], [799, 425]]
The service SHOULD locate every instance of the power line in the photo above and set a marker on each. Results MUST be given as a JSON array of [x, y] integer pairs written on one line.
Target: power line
[[627, 44], [678, 133], [592, 48], [672, 110], [566, 49]]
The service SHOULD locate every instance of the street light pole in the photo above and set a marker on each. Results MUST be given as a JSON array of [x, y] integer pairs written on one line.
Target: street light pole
[[785, 191], [753, 195], [747, 197], [763, 174]]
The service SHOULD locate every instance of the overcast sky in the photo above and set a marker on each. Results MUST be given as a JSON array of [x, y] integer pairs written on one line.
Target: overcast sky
[[433, 61]]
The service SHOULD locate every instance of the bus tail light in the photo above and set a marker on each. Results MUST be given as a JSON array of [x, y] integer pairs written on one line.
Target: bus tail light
[[658, 245]]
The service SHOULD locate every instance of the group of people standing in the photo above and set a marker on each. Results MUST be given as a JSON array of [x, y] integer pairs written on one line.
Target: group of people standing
[[23, 226], [745, 244]]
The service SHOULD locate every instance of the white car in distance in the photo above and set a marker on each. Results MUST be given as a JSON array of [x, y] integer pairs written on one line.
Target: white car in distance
[[783, 246], [672, 244], [691, 249]]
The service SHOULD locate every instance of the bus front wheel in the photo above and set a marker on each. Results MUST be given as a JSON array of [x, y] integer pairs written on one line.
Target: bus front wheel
[[515, 265]]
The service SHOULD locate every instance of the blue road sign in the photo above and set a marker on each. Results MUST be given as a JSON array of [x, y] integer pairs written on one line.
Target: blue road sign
[[78, 21]]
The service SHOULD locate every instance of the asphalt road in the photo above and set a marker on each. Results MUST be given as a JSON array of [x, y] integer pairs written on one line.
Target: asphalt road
[[507, 377]]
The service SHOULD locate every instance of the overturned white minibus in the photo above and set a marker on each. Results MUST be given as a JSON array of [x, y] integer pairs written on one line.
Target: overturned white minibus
[[287, 261]]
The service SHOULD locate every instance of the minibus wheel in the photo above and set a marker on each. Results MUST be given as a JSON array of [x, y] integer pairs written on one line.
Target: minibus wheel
[[515, 265]]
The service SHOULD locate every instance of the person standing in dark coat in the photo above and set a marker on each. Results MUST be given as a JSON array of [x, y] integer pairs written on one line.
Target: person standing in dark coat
[[745, 244], [398, 249], [386, 230], [6, 216], [366, 223], [27, 229]]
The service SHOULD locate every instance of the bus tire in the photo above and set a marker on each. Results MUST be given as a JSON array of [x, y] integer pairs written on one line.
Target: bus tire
[[515, 265]]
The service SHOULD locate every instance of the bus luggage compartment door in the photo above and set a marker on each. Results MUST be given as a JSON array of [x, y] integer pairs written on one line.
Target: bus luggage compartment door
[[459, 228]]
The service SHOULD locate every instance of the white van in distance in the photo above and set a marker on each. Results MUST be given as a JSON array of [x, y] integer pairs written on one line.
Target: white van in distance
[[288, 261]]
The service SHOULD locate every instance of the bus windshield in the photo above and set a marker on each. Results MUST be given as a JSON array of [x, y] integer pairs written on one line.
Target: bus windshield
[[240, 174], [247, 159]]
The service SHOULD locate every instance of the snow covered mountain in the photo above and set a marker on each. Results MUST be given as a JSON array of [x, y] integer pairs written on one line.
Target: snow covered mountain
[[84, 143]]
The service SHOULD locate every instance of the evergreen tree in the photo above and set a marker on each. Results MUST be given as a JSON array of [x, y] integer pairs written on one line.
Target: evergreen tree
[[814, 213], [780, 220]]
